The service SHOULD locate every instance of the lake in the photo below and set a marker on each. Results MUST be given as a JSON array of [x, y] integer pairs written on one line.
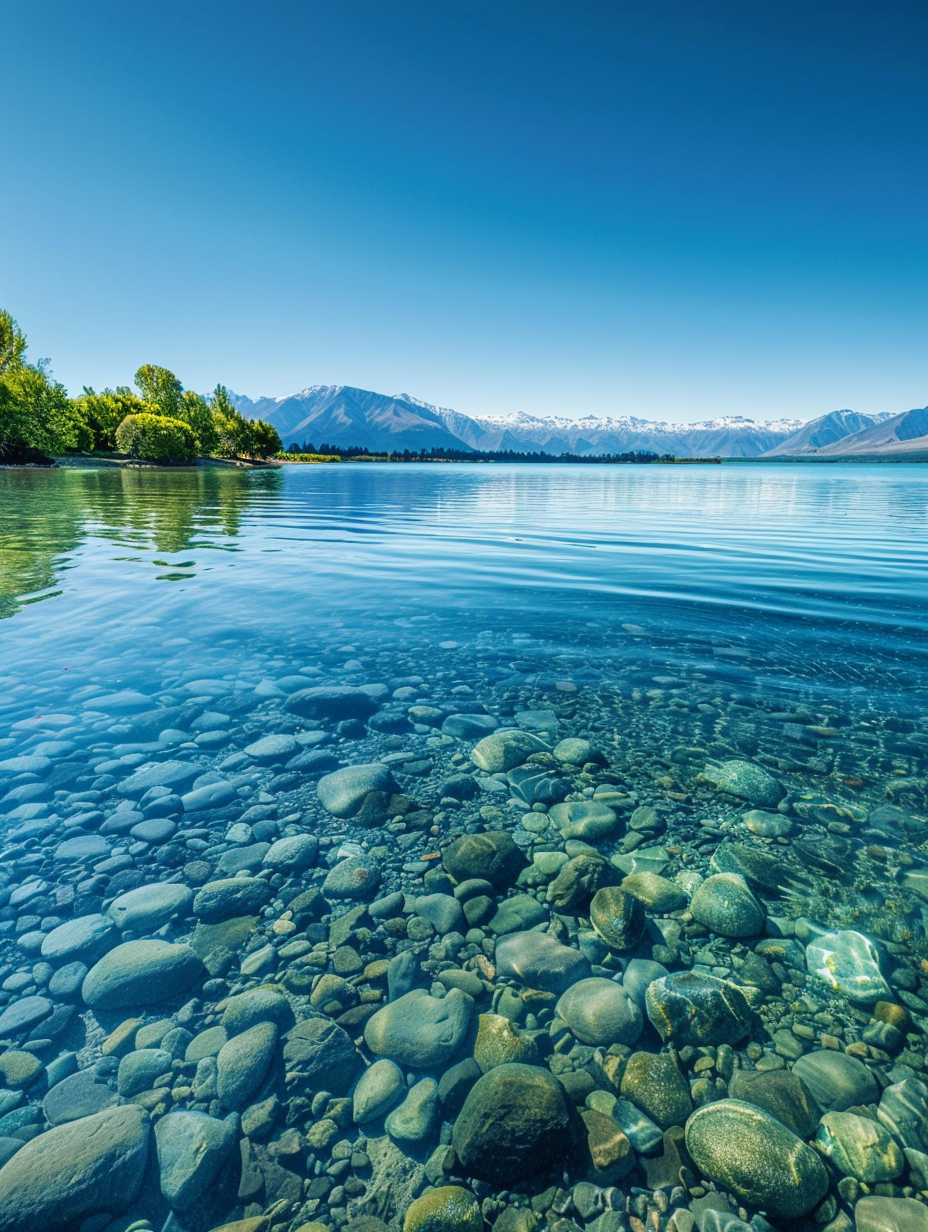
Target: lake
[[449, 766]]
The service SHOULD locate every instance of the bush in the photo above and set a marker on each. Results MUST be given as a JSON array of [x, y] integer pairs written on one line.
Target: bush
[[156, 438]]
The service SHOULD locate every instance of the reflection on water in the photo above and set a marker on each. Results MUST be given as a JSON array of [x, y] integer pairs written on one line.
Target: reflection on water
[[820, 570]]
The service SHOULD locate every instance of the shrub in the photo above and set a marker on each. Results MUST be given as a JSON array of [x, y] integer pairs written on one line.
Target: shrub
[[156, 438]]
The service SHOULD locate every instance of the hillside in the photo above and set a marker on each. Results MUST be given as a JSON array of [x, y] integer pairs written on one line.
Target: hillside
[[823, 432], [901, 434]]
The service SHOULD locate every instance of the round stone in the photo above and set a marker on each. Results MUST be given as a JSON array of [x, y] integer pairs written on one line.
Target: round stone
[[378, 1089], [837, 1081], [242, 1064], [87, 938], [490, 856], [724, 904], [502, 751], [361, 792], [449, 1208], [141, 973], [271, 749], [515, 1123], [356, 877], [418, 1031], [148, 907], [756, 1157], [652, 1082], [600, 1012], [295, 853], [191, 1148]]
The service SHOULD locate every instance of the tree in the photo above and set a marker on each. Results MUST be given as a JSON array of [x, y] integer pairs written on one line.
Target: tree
[[12, 343], [265, 441], [197, 412], [156, 438], [162, 389], [104, 412], [36, 417]]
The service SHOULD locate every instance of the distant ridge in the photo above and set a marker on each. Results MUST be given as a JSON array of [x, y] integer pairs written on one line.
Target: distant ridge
[[823, 432], [345, 416]]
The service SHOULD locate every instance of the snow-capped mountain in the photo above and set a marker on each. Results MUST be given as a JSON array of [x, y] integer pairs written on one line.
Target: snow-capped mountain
[[342, 415], [826, 431]]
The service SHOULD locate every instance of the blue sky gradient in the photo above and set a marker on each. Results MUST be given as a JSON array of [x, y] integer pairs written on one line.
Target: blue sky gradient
[[673, 209]]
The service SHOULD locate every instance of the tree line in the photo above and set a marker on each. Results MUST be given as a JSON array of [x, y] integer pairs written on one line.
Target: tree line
[[158, 421], [440, 453]]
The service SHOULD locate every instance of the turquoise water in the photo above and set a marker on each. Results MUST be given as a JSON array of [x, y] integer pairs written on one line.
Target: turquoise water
[[342, 807], [817, 574]]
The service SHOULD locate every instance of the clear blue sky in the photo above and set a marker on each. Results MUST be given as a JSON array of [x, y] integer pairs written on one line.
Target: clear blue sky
[[671, 208]]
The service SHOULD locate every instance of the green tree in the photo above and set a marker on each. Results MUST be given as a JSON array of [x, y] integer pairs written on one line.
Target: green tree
[[197, 412], [156, 438], [12, 343], [265, 439], [162, 389], [36, 416], [104, 412]]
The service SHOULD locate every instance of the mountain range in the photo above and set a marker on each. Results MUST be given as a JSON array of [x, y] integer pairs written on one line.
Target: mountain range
[[343, 416]]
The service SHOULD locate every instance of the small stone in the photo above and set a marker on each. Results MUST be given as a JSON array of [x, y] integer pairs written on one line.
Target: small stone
[[229, 898], [617, 917], [356, 877], [191, 1148], [489, 856], [148, 907], [499, 1042]]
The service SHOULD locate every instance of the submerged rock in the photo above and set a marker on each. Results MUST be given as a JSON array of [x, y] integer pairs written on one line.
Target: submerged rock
[[762, 1162], [191, 1148], [859, 1146], [361, 792], [92, 1166], [745, 780], [849, 963], [837, 1081], [141, 973], [540, 961], [489, 856], [724, 904], [617, 916], [449, 1208], [419, 1031], [515, 1123], [504, 750], [600, 1012], [692, 1009]]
